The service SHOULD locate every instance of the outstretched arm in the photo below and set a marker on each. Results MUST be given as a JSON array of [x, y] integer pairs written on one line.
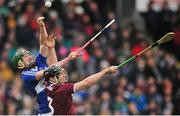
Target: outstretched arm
[[50, 43], [71, 56], [43, 33], [91, 80], [47, 43], [42, 37]]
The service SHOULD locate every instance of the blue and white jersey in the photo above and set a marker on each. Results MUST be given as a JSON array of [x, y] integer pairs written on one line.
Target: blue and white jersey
[[37, 88]]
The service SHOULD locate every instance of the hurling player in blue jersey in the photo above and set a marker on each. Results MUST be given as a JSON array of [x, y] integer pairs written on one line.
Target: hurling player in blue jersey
[[35, 70]]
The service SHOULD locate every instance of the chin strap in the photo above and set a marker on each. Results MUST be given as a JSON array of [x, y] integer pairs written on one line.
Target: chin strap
[[57, 80]]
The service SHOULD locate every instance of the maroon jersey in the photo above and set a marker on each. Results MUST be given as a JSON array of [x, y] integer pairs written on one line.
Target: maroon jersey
[[60, 98]]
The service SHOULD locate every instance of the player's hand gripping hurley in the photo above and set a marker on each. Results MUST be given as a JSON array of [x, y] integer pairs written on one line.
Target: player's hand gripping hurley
[[169, 36], [85, 45]]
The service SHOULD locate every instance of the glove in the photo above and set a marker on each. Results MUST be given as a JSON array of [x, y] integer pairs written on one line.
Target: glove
[[52, 71]]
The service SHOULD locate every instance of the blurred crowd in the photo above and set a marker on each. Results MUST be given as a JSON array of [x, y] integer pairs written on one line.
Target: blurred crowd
[[148, 85]]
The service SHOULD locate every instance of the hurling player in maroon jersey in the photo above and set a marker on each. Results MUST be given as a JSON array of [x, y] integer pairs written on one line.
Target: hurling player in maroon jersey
[[60, 92]]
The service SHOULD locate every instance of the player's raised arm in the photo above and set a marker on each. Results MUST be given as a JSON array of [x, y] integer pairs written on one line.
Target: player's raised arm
[[42, 31], [72, 56], [50, 43], [43, 49], [47, 43], [91, 80]]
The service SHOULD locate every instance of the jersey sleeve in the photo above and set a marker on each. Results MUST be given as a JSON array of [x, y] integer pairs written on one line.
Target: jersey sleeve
[[40, 59]]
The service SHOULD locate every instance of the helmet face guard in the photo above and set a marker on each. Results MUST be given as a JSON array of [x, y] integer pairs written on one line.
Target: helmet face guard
[[57, 79], [65, 74], [18, 59], [33, 63]]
